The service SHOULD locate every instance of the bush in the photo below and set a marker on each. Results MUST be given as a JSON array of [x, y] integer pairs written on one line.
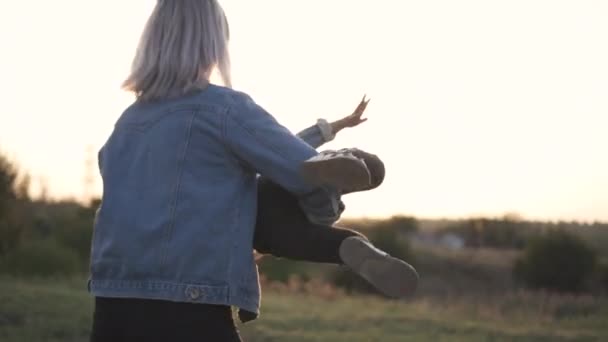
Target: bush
[[8, 177], [602, 275], [386, 239], [390, 241], [40, 258], [556, 261], [76, 234], [278, 269], [10, 231], [10, 235]]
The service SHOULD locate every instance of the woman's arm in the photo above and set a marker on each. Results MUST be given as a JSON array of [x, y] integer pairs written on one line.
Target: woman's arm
[[256, 138]]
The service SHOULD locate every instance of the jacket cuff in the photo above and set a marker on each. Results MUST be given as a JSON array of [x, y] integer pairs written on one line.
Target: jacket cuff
[[326, 130]]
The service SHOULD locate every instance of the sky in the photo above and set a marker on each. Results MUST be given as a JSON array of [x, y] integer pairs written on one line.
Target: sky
[[478, 107]]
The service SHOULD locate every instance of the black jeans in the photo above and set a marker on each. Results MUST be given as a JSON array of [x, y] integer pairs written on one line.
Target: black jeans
[[134, 320]]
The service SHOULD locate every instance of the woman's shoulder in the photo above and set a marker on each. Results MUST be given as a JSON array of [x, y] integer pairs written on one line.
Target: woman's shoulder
[[237, 102], [228, 95]]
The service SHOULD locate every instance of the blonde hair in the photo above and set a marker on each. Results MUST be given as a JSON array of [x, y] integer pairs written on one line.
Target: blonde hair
[[183, 41]]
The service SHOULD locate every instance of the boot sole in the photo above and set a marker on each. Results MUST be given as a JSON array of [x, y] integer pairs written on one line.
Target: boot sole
[[392, 277], [342, 173]]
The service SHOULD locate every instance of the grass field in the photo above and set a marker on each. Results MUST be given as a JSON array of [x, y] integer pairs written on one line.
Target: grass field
[[60, 310]]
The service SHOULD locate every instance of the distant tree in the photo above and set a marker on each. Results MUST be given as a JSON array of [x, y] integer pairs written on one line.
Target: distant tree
[[8, 176], [9, 227], [493, 233], [22, 187]]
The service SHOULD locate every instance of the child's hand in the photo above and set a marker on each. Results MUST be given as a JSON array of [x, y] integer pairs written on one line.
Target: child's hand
[[352, 120], [257, 256]]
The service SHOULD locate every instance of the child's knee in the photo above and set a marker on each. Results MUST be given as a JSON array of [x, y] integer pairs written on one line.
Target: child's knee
[[374, 165]]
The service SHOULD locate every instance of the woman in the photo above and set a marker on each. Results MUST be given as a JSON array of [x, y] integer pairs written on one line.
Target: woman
[[172, 242]]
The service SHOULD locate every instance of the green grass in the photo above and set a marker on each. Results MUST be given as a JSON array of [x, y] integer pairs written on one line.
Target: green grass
[[60, 310]]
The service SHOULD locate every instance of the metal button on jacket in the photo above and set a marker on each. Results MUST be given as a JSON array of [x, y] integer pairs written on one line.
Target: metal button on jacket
[[193, 292]]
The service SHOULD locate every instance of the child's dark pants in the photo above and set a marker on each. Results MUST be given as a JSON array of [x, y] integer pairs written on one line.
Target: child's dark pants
[[283, 230]]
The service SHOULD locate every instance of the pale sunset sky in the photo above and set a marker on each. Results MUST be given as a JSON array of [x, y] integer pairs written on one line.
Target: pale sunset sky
[[478, 107]]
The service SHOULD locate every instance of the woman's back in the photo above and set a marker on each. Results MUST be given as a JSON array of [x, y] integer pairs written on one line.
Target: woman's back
[[179, 201]]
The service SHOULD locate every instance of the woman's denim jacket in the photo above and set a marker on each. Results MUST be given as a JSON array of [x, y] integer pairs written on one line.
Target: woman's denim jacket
[[179, 197]]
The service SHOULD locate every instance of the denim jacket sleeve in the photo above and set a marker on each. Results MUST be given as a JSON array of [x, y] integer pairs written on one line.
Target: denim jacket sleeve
[[257, 139], [318, 134], [272, 150], [315, 206]]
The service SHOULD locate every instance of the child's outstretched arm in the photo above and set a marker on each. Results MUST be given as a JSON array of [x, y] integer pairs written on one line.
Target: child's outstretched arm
[[324, 131], [352, 120]]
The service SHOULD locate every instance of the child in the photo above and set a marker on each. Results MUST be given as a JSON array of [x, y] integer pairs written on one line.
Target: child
[[284, 229]]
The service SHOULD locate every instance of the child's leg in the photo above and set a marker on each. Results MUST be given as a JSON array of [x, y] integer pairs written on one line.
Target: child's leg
[[374, 165], [283, 230], [339, 170]]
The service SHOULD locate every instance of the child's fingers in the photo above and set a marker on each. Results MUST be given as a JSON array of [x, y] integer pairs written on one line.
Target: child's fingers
[[365, 106], [361, 107], [366, 99]]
